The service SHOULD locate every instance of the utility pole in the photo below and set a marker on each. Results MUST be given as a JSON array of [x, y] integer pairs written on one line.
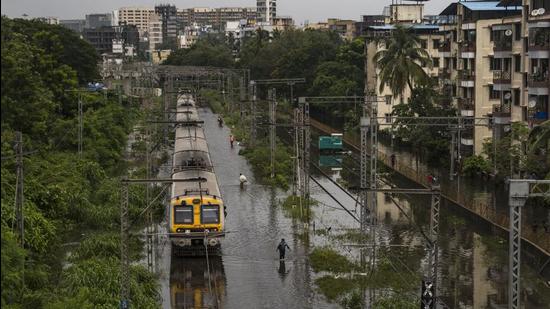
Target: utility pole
[[124, 258], [434, 232], [520, 190], [273, 120], [80, 125], [253, 114], [19, 197]]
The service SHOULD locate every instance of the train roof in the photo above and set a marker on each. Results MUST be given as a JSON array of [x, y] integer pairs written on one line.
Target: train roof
[[209, 185]]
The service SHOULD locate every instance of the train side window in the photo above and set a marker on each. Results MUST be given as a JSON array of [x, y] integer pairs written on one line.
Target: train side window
[[210, 214], [183, 214]]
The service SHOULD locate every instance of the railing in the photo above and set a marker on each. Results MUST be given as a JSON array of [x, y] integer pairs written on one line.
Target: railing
[[467, 74], [539, 39], [501, 110], [445, 73], [502, 77], [445, 47], [468, 46], [466, 104], [540, 80], [481, 206], [503, 45]]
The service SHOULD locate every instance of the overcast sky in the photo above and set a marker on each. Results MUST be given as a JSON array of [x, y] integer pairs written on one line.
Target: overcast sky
[[300, 10]]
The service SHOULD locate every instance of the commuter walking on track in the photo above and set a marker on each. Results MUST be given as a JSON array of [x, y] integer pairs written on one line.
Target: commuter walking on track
[[282, 248], [231, 140]]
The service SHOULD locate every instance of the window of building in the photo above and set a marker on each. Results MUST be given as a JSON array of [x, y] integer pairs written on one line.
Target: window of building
[[388, 117], [388, 99], [495, 64], [436, 62], [517, 32], [517, 63], [516, 96], [454, 63], [493, 94], [423, 44], [537, 4], [435, 43]]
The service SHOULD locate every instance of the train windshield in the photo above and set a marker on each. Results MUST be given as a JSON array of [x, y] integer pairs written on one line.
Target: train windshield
[[210, 214], [183, 214]]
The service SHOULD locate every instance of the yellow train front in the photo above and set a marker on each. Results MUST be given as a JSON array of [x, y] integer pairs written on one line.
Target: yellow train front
[[197, 212]]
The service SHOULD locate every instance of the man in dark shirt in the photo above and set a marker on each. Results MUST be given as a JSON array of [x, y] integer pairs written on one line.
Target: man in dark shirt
[[282, 248]]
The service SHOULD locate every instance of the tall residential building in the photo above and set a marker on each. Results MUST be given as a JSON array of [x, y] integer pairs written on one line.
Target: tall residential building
[[267, 10], [491, 59], [138, 16], [94, 21], [169, 18], [154, 31], [482, 52], [215, 17], [282, 23]]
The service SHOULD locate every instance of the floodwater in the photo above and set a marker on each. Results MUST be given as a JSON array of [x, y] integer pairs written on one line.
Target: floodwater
[[472, 260]]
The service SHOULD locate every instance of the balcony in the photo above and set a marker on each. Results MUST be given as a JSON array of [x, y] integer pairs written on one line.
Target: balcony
[[502, 80], [539, 43], [503, 45], [501, 113], [467, 139], [539, 83], [466, 107], [467, 78], [445, 47], [468, 49]]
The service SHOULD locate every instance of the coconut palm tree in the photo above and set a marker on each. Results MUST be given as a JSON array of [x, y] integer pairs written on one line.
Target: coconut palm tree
[[401, 62]]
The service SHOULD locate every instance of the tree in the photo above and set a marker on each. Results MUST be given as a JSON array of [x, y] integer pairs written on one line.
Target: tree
[[432, 142], [401, 63], [538, 151], [208, 51]]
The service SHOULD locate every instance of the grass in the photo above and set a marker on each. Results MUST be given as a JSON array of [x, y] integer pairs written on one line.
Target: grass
[[354, 236], [335, 289], [327, 259], [291, 207]]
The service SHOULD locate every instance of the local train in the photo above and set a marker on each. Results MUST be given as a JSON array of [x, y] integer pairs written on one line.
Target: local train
[[197, 213]]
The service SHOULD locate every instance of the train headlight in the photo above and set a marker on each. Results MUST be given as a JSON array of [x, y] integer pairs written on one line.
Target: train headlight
[[187, 231], [212, 242]]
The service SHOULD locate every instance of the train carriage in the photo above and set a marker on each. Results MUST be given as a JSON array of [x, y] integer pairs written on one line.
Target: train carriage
[[197, 212]]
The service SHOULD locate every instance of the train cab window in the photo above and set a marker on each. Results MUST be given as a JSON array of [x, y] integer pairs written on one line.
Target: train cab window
[[183, 214], [210, 214]]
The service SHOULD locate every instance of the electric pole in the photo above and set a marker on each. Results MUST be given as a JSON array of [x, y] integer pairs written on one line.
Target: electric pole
[[273, 119], [19, 197]]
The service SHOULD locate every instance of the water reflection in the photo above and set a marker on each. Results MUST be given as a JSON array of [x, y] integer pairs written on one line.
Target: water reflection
[[194, 284]]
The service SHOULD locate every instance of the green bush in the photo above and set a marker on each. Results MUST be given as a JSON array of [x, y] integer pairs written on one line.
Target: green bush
[[475, 165]]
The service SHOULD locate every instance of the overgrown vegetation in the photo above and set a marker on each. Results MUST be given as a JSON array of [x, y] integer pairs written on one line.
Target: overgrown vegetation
[[297, 208], [327, 259], [65, 195]]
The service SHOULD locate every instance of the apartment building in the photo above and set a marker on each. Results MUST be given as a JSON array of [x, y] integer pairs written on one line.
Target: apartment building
[[345, 28], [77, 25], [154, 30], [267, 10], [430, 38], [94, 21], [215, 17], [282, 23], [537, 67], [497, 51], [138, 16], [170, 23]]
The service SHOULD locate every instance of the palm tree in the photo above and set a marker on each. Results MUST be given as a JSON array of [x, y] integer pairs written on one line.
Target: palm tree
[[402, 61]]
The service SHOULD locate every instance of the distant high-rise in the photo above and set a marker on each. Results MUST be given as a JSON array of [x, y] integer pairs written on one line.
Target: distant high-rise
[[94, 21], [138, 16], [267, 10], [168, 16]]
